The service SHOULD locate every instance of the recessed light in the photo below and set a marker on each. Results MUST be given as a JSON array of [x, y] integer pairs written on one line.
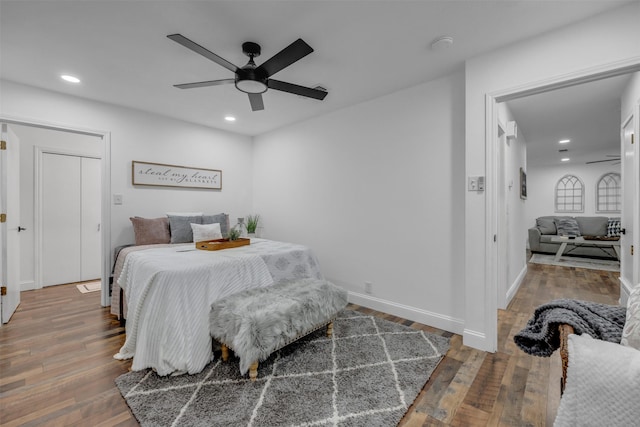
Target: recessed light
[[564, 141], [565, 159], [230, 118], [70, 79]]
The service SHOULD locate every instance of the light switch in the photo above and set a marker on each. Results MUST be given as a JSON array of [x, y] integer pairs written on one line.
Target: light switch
[[475, 183], [117, 199]]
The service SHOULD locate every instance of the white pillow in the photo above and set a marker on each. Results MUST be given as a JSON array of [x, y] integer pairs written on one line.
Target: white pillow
[[631, 331], [203, 232]]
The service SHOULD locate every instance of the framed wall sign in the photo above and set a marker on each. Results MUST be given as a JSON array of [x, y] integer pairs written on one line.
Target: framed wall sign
[[158, 174]]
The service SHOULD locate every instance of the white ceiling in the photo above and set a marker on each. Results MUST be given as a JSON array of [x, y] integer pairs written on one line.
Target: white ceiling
[[587, 114], [363, 49]]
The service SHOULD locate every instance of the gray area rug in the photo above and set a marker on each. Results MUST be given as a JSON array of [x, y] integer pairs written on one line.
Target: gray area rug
[[590, 263], [367, 374]]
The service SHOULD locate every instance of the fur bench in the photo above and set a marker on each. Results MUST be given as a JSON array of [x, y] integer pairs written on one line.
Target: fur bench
[[257, 322]]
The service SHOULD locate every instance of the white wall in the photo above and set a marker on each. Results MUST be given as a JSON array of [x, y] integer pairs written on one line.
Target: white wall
[[31, 137], [515, 158], [589, 46], [542, 184], [374, 189], [136, 135]]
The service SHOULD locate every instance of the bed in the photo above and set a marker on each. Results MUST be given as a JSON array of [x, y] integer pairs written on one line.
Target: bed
[[169, 289]]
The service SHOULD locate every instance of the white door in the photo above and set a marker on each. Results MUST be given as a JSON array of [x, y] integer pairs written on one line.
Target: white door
[[90, 263], [61, 219], [9, 231], [629, 210]]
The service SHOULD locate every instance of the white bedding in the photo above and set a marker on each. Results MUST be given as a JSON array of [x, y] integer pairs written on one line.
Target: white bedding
[[169, 293], [603, 385]]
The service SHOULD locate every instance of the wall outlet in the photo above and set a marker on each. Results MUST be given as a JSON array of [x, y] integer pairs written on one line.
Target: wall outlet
[[368, 288], [117, 199]]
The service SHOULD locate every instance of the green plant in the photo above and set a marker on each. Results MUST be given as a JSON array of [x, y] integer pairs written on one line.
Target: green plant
[[252, 223], [234, 234]]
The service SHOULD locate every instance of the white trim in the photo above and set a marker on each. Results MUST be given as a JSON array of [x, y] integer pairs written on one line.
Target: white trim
[[625, 290], [425, 317], [476, 339], [106, 187], [511, 292], [491, 258], [27, 285]]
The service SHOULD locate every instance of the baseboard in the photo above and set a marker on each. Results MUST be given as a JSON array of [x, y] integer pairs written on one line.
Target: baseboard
[[477, 340], [27, 285], [511, 292], [425, 317]]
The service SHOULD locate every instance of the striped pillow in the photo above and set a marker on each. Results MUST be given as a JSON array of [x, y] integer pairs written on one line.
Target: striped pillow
[[567, 227]]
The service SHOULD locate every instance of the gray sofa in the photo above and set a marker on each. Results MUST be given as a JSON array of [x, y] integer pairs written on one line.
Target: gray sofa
[[540, 236]]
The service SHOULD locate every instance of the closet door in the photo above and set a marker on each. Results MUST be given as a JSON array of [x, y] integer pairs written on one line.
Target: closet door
[[61, 219], [90, 206]]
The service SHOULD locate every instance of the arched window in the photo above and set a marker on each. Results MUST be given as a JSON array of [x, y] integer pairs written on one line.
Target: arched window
[[609, 193], [569, 194]]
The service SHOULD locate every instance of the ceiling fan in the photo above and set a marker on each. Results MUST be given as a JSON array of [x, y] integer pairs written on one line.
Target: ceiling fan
[[614, 158], [251, 79]]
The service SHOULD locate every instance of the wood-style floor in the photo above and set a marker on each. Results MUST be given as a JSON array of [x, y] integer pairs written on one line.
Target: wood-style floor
[[57, 367]]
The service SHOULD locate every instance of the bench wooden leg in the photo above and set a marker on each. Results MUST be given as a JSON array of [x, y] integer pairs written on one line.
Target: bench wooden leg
[[253, 371], [225, 353], [330, 329]]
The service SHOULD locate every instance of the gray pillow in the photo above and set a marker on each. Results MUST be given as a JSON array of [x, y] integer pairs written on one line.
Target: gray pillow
[[567, 227], [546, 225], [593, 225], [180, 227], [221, 218]]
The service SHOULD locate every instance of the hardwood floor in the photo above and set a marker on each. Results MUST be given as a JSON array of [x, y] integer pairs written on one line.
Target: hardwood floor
[[57, 367]]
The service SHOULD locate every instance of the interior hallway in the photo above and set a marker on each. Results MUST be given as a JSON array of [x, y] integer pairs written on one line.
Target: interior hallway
[[57, 367]]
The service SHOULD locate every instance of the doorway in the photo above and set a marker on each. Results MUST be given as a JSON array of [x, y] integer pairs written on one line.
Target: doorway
[[493, 209], [100, 144]]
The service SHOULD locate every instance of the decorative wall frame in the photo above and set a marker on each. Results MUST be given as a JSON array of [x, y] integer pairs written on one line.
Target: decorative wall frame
[[523, 184], [158, 174]]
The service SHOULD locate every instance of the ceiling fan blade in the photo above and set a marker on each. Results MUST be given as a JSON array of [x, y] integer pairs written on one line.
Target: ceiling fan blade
[[601, 161], [287, 56], [256, 101], [180, 39], [204, 84], [297, 89]]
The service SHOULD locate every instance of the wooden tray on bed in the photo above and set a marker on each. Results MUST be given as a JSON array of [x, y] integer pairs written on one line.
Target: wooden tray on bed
[[216, 245]]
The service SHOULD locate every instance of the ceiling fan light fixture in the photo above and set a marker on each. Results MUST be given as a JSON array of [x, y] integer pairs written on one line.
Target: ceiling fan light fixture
[[251, 86]]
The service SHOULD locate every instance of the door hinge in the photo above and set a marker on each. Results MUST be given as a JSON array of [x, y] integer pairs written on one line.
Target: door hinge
[[3, 218], [3, 290], [3, 145], [632, 135], [631, 249]]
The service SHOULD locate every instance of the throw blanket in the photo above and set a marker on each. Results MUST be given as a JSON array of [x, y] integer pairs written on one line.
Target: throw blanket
[[603, 385], [541, 336]]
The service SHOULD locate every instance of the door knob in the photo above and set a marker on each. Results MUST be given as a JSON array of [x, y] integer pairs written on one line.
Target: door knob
[[21, 229], [623, 231]]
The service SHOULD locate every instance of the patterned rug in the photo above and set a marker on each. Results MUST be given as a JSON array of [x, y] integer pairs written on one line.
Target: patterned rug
[[590, 263], [367, 374]]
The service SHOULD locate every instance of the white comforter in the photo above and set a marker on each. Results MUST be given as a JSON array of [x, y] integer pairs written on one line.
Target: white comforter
[[603, 385], [169, 291]]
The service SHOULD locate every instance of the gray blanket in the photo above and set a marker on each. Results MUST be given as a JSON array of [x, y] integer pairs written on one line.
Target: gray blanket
[[541, 336]]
